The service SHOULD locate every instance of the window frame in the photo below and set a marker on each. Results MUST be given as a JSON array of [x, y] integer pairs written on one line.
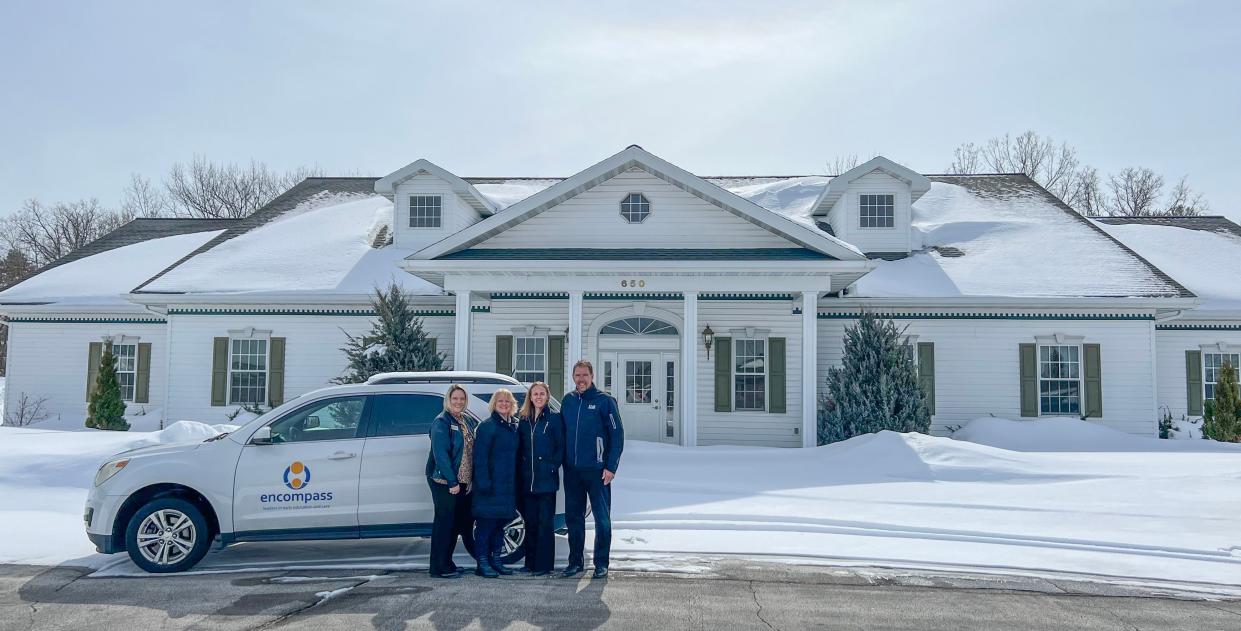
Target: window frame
[[862, 219], [626, 201], [133, 384], [1080, 379], [766, 374], [409, 211], [372, 420], [542, 339], [266, 371], [1222, 354]]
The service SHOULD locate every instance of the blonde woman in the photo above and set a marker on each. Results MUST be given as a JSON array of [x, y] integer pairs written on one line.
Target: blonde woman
[[495, 489], [542, 452], [450, 471]]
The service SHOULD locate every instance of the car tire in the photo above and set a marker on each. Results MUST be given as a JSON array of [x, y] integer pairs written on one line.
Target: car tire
[[514, 538], [167, 535]]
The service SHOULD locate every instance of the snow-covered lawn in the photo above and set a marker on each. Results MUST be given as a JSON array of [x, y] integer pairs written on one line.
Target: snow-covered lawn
[[1034, 498]]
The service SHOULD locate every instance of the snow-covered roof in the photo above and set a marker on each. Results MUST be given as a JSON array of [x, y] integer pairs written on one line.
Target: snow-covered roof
[[324, 244], [1201, 253], [1005, 236], [104, 278]]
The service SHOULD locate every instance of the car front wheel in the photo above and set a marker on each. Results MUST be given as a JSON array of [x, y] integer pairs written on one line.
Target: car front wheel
[[167, 535]]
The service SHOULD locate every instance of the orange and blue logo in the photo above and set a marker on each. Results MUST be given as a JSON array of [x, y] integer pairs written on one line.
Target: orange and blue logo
[[297, 475]]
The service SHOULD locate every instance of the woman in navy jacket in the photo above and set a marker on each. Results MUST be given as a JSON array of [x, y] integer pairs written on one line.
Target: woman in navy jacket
[[495, 484], [542, 452], [449, 472]]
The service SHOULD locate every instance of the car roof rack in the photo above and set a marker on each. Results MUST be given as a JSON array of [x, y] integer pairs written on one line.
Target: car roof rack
[[445, 377]]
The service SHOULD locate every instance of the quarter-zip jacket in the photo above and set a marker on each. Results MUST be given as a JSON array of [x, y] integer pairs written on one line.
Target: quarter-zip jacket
[[542, 452], [594, 436]]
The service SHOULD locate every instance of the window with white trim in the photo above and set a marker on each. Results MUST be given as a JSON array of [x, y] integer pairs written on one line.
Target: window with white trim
[[126, 368], [530, 359], [1212, 364], [1059, 379], [247, 371], [425, 211], [877, 211], [750, 375], [635, 208]]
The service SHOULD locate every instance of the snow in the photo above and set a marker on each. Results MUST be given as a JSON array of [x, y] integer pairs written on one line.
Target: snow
[[792, 197], [1017, 243], [508, 192], [1211, 273], [104, 278], [1076, 500], [324, 245]]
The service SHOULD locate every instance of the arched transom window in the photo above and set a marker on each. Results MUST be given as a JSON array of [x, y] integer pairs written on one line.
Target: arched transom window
[[635, 207], [638, 325]]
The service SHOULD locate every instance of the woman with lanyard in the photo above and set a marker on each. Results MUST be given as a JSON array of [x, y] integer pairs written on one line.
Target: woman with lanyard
[[450, 472]]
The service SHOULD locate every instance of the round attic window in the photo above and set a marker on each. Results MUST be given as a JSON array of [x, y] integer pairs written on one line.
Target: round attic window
[[635, 208]]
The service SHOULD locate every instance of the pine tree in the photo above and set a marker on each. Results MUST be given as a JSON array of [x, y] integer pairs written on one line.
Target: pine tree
[[876, 387], [396, 341], [1222, 420], [107, 406]]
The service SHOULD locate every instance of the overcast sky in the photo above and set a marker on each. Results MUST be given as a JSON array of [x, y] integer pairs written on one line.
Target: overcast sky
[[92, 92]]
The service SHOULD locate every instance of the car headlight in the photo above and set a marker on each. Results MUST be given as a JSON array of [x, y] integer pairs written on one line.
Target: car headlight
[[109, 469]]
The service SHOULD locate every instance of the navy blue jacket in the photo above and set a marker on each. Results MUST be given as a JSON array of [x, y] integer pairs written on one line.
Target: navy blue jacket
[[542, 452], [495, 468], [447, 445], [594, 436]]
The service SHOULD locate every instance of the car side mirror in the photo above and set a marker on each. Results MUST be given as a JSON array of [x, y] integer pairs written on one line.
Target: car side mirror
[[262, 436], [312, 422]]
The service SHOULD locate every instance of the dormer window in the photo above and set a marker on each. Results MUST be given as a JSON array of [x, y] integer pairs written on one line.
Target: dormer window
[[877, 211], [635, 208], [425, 211]]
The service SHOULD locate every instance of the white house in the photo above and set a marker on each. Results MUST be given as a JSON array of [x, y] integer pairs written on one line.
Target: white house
[[1017, 306]]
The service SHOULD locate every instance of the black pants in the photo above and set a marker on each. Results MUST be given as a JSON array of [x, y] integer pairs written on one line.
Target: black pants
[[490, 537], [452, 519], [578, 486], [539, 511]]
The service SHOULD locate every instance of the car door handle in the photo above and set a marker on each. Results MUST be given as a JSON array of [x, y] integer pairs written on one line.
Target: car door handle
[[341, 455]]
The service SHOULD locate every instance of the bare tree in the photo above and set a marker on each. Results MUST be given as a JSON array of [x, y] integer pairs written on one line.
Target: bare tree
[[1186, 202], [45, 233], [1051, 165], [840, 164], [1085, 194], [142, 198], [27, 410], [967, 159], [206, 189], [1135, 192]]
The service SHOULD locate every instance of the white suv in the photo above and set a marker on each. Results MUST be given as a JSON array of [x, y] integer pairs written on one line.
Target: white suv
[[344, 462]]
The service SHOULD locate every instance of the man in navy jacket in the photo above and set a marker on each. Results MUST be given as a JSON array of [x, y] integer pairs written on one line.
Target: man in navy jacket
[[594, 439]]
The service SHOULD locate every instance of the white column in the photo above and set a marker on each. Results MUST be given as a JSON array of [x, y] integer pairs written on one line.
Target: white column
[[575, 336], [689, 372], [461, 339], [809, 368]]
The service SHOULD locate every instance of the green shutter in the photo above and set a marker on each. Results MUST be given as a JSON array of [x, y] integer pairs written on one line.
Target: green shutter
[[926, 373], [723, 374], [142, 378], [555, 365], [219, 371], [1094, 381], [1029, 379], [93, 356], [275, 372], [504, 354], [777, 376], [1193, 382]]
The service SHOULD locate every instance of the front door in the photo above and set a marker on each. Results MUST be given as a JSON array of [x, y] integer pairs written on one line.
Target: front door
[[307, 479], [643, 386]]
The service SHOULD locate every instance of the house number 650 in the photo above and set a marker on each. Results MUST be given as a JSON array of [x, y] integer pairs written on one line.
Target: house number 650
[[633, 283]]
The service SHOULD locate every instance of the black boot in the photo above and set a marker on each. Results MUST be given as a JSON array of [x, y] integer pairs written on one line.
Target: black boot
[[498, 566], [485, 570]]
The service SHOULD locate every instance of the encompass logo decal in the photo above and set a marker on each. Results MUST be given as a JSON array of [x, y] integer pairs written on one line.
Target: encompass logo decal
[[296, 477]]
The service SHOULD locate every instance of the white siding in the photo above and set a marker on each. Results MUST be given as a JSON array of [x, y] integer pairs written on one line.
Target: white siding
[[457, 215], [312, 354], [977, 371], [1170, 357], [677, 220], [845, 216], [49, 360]]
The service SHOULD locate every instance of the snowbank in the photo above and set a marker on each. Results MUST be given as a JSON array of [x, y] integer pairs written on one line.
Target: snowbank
[[1072, 435], [45, 476]]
